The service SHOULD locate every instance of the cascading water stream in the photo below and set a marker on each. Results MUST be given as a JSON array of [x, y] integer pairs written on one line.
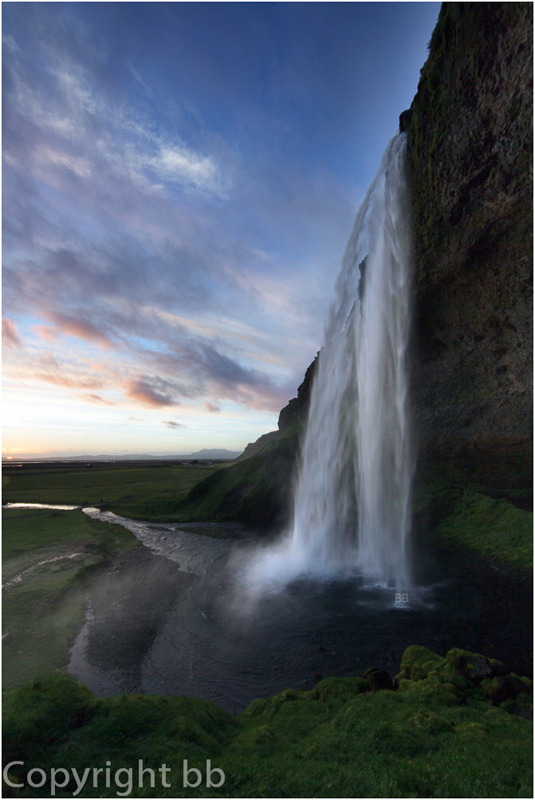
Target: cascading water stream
[[352, 501]]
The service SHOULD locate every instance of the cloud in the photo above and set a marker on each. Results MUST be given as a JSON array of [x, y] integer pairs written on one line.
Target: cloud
[[79, 327], [10, 43], [172, 424], [212, 407], [91, 397], [80, 166], [138, 235], [10, 334], [185, 166], [142, 392], [46, 332], [62, 118]]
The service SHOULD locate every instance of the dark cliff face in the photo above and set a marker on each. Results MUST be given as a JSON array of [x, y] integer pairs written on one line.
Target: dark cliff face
[[297, 409], [470, 166]]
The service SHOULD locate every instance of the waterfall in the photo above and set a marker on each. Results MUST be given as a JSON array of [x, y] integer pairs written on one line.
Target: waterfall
[[352, 499]]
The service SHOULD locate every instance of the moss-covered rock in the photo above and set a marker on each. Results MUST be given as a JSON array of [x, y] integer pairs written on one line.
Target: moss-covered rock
[[416, 663], [338, 687], [459, 675], [502, 688], [433, 691], [430, 738], [491, 526], [473, 667]]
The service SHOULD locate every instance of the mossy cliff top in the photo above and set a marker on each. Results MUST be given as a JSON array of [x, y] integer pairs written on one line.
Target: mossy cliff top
[[453, 728]]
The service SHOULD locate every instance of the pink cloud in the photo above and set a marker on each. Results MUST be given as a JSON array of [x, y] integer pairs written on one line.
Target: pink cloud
[[45, 332], [142, 392], [64, 380], [10, 334], [79, 327]]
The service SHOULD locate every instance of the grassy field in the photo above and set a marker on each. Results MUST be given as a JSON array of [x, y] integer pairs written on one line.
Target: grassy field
[[47, 557], [443, 733], [149, 492]]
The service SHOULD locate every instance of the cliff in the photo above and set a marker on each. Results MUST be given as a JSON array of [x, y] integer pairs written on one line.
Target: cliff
[[470, 167], [470, 171], [257, 488]]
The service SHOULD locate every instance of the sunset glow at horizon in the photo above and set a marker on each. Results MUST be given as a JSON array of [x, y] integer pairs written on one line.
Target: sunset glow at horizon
[[179, 184]]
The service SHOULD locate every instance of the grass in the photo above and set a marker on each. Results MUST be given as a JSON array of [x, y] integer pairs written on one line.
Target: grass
[[338, 740], [46, 558], [446, 732], [27, 529], [256, 491], [479, 500], [54, 552], [493, 527], [147, 492]]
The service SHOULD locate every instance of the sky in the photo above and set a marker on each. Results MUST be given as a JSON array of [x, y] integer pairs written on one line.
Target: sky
[[179, 184]]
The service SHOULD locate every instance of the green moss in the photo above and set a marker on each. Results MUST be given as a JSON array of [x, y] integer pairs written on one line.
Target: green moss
[[339, 687], [493, 527], [416, 662], [353, 743], [459, 676], [256, 491], [502, 688], [433, 692], [431, 722], [477, 496]]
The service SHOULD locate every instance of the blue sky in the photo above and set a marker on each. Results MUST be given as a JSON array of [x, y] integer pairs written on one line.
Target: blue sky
[[179, 183]]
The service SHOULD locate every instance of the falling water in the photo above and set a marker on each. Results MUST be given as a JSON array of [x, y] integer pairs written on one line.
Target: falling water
[[352, 501], [352, 504]]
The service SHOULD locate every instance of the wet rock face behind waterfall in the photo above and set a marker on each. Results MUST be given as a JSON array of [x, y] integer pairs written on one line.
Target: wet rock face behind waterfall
[[470, 166]]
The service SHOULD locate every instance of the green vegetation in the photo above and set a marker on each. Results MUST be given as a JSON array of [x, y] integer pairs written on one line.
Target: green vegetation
[[47, 557], [28, 529], [256, 491], [446, 732], [492, 527], [147, 492], [257, 488], [478, 499]]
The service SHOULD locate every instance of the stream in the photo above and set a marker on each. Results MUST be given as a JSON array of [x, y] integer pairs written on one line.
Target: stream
[[179, 617]]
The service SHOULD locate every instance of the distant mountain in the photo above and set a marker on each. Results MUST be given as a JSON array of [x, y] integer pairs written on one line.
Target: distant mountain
[[201, 455], [217, 454]]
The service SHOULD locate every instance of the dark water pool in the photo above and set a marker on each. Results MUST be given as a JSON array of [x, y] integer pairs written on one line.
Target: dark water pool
[[171, 619]]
